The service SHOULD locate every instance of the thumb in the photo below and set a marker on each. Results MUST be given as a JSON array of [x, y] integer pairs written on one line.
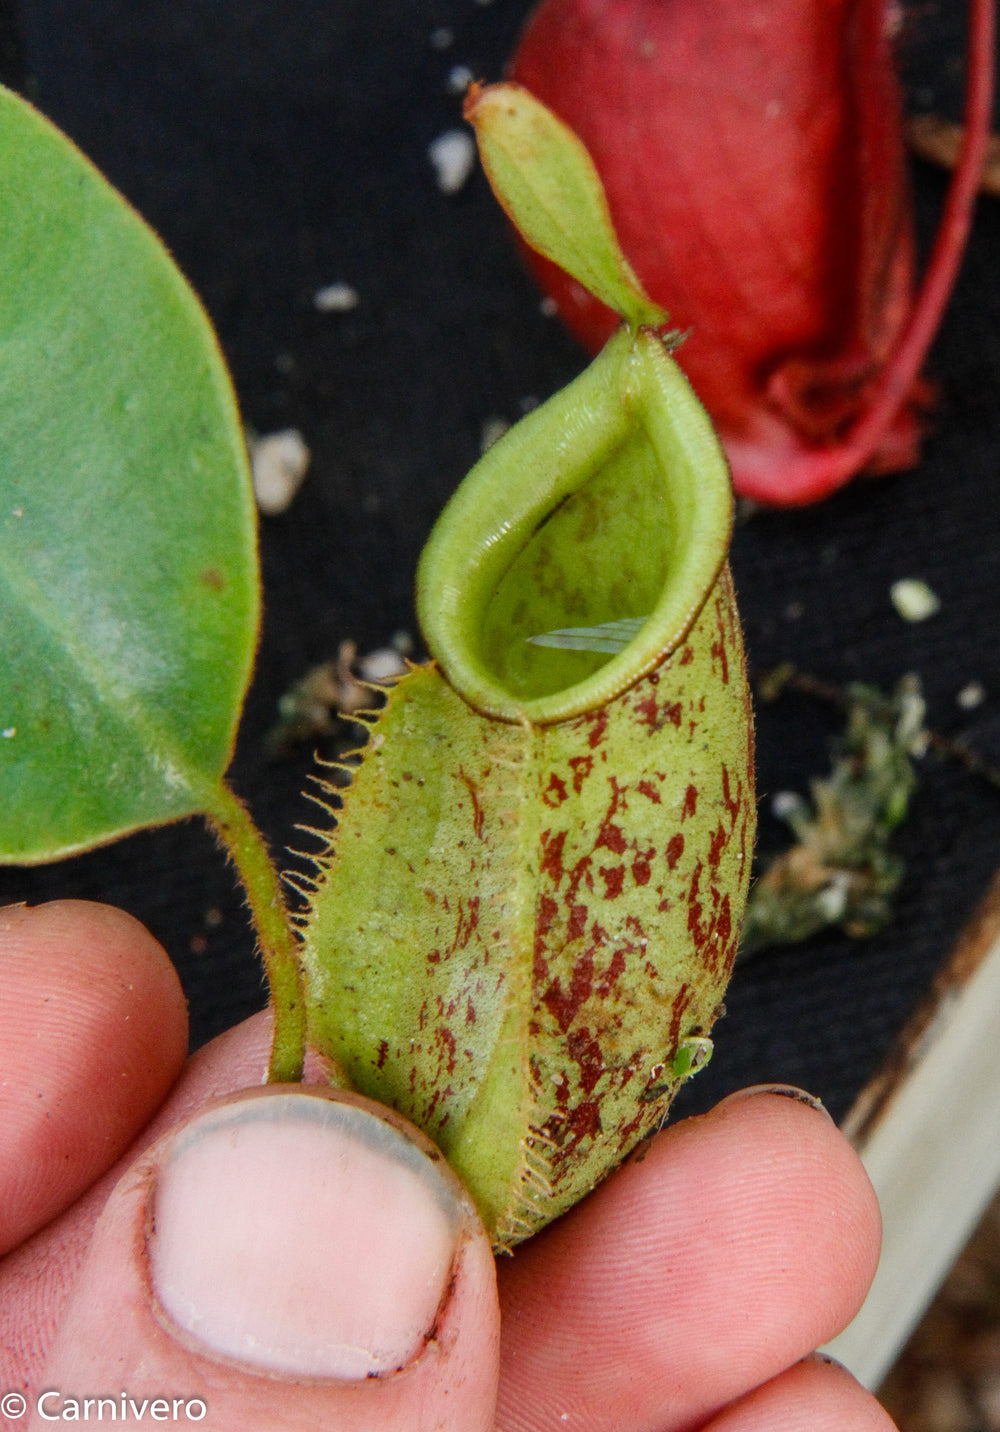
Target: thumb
[[289, 1258]]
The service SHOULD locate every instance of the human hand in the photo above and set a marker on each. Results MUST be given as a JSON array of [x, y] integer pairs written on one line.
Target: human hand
[[301, 1242]]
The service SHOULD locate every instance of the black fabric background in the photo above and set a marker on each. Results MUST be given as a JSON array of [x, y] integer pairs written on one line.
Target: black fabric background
[[278, 147]]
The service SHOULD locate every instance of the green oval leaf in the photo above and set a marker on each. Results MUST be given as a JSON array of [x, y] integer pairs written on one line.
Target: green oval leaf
[[547, 183], [128, 576]]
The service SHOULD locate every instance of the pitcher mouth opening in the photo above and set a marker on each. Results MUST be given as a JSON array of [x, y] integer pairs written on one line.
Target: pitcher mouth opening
[[580, 549]]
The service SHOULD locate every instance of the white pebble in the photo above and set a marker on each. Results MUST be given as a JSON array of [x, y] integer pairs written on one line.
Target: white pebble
[[335, 298], [786, 804], [452, 154], [383, 664], [913, 599], [971, 695], [279, 463], [492, 431], [460, 77]]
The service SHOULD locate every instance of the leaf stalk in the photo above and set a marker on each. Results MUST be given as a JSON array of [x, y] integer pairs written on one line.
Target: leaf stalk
[[234, 827]]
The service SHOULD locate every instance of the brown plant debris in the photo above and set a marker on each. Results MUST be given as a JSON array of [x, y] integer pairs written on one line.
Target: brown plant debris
[[841, 871], [940, 142], [322, 703]]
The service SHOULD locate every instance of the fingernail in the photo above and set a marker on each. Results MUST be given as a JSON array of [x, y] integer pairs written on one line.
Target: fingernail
[[781, 1091], [824, 1359], [301, 1234]]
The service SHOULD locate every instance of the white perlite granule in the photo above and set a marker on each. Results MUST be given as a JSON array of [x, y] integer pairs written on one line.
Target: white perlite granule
[[335, 298], [914, 600], [279, 462], [973, 694], [460, 77], [453, 155]]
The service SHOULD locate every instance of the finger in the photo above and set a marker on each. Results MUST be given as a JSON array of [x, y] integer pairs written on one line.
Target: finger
[[93, 1028], [743, 1240], [816, 1394], [37, 1279], [292, 1257]]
